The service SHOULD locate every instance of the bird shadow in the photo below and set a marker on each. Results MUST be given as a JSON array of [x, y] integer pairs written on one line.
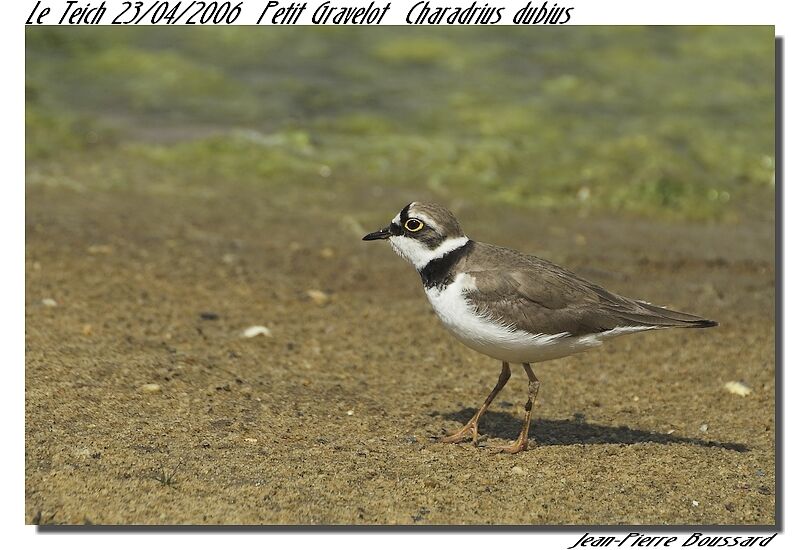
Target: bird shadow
[[577, 431]]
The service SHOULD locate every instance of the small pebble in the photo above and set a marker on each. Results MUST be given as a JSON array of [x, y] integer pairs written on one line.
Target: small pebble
[[738, 388], [250, 440], [256, 330], [86, 330], [318, 297], [351, 412], [150, 388], [100, 249], [327, 253], [518, 471], [49, 302], [695, 503], [704, 428]]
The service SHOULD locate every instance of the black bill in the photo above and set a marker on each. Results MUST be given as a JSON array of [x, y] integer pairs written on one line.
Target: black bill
[[384, 233]]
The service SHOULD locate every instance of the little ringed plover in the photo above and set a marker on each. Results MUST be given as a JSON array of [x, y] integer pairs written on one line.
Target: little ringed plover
[[511, 306]]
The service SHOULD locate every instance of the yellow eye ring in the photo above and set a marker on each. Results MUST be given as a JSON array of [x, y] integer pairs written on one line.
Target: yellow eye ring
[[414, 225]]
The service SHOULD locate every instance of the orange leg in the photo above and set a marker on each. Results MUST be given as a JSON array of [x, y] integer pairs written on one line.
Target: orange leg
[[470, 429], [521, 444]]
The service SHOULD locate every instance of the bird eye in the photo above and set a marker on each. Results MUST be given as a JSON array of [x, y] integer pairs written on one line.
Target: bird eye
[[414, 225]]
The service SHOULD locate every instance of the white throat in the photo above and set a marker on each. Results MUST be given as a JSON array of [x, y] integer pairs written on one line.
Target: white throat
[[420, 255]]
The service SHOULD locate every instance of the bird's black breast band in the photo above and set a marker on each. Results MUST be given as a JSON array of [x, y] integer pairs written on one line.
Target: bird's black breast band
[[439, 272]]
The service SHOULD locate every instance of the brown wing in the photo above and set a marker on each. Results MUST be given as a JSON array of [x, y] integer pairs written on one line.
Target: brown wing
[[542, 298]]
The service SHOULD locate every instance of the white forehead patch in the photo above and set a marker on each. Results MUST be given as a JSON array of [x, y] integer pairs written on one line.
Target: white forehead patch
[[396, 219]]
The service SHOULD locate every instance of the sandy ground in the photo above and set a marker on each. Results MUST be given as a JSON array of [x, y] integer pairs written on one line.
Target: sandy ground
[[333, 419]]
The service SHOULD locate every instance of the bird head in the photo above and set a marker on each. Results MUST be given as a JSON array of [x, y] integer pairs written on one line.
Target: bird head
[[422, 232]]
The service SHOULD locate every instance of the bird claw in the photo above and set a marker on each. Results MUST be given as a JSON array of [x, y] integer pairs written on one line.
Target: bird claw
[[470, 430], [514, 448]]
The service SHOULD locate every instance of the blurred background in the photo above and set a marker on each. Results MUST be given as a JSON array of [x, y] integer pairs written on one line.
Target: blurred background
[[660, 121]]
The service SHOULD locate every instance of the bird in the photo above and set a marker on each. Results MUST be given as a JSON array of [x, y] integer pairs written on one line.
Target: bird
[[513, 307]]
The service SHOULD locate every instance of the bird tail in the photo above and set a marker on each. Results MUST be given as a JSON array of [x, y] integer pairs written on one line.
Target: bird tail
[[658, 317]]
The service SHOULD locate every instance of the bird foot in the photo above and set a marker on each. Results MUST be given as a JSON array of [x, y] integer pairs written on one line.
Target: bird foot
[[470, 430], [514, 448]]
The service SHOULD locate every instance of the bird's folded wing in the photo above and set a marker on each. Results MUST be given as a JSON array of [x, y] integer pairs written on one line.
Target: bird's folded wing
[[547, 299], [539, 302]]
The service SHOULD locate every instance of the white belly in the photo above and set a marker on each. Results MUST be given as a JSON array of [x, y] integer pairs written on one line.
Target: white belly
[[494, 339]]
